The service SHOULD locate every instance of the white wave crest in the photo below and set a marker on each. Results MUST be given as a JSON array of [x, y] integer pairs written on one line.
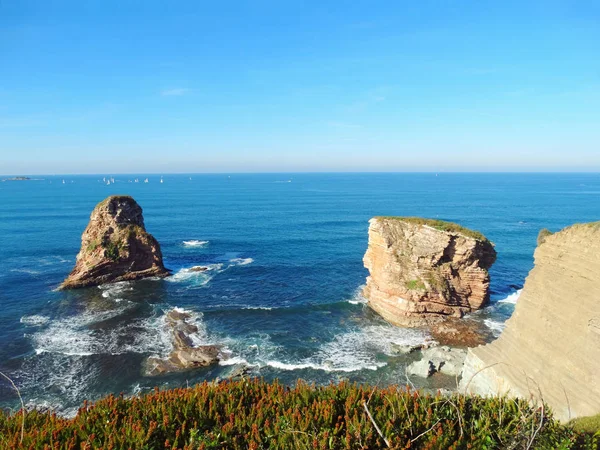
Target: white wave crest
[[112, 290], [197, 278], [234, 361], [512, 298], [241, 261], [35, 320], [195, 243], [358, 298], [495, 326]]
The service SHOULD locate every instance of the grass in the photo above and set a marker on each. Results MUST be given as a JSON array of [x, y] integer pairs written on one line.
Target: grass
[[441, 225], [415, 285], [253, 414], [590, 425]]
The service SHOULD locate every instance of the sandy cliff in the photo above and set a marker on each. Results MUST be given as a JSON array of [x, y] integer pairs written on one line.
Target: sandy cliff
[[422, 271], [115, 246], [550, 348]]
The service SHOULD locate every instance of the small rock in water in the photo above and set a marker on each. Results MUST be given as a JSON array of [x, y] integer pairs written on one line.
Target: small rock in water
[[400, 349], [198, 269], [184, 355], [446, 360], [422, 368]]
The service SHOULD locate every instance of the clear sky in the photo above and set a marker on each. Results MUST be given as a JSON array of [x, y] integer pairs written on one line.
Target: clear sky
[[236, 86]]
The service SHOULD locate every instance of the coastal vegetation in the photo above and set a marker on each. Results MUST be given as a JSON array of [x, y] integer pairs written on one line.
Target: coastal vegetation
[[253, 414], [440, 225]]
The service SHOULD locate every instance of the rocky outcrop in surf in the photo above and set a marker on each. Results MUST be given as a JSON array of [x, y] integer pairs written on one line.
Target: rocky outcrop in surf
[[115, 246], [185, 355], [422, 270], [550, 348]]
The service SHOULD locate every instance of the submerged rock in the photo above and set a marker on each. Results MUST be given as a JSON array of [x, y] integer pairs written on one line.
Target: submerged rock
[[550, 348], [423, 271], [115, 246], [184, 355]]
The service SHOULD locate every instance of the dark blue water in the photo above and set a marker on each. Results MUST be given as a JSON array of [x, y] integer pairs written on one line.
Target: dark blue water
[[285, 252]]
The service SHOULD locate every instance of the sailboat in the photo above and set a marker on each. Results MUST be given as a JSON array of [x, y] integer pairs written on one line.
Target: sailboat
[[146, 180], [161, 180]]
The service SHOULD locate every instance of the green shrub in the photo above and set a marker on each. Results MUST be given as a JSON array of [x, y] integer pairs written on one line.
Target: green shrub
[[543, 234], [111, 251], [252, 414], [93, 245]]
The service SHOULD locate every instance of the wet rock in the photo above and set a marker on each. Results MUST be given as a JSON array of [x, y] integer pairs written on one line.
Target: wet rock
[[399, 349], [185, 355]]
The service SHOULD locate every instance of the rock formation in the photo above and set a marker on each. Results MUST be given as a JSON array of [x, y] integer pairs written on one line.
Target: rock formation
[[184, 355], [116, 247], [550, 348], [422, 271]]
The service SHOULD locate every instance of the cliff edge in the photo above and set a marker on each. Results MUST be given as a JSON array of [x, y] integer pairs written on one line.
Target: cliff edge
[[422, 270], [115, 246], [550, 348]]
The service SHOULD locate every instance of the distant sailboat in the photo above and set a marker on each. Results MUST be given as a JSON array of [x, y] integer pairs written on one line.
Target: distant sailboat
[[63, 181], [108, 183], [161, 180], [137, 181], [146, 180]]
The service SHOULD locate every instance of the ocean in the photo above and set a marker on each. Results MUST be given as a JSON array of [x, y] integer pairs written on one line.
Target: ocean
[[283, 291]]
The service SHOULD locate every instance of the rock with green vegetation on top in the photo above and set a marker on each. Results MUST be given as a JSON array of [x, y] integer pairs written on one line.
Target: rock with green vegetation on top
[[423, 271], [115, 246]]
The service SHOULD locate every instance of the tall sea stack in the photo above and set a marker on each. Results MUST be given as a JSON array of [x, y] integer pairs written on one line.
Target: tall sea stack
[[422, 270], [550, 348], [115, 246]]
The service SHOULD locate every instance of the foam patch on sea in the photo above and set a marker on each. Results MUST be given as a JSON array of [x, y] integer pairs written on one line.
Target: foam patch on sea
[[365, 348]]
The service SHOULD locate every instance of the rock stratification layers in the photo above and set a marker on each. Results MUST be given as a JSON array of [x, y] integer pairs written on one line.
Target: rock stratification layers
[[422, 271], [550, 348], [115, 246]]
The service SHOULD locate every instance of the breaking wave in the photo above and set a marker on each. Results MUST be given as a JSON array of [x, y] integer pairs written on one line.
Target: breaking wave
[[35, 320], [512, 298], [194, 243]]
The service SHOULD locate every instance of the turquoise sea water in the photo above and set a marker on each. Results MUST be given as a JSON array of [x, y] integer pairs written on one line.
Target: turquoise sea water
[[282, 295]]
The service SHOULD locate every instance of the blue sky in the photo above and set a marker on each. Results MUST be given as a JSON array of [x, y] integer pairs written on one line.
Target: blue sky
[[260, 86]]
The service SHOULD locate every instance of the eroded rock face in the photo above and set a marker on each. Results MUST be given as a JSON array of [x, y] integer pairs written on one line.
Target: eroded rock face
[[115, 246], [550, 348], [422, 271], [185, 355]]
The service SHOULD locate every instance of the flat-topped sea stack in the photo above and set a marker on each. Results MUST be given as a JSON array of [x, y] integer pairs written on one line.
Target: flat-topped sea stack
[[550, 348], [423, 271], [115, 246]]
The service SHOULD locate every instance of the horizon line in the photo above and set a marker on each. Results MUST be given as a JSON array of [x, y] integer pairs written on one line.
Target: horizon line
[[14, 175]]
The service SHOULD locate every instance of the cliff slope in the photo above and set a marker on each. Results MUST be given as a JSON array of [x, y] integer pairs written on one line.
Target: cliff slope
[[550, 348], [115, 246], [422, 271]]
